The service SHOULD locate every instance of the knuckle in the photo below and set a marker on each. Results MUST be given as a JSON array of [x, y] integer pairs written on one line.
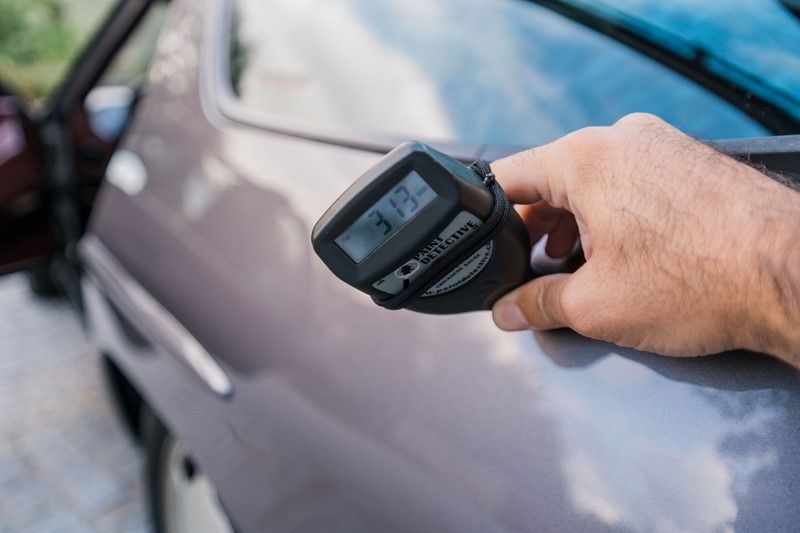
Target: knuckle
[[582, 314], [589, 147], [574, 312], [602, 152], [640, 120], [588, 141]]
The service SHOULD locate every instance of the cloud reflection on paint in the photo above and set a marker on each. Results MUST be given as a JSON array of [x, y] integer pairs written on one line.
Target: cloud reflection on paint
[[685, 491], [651, 456]]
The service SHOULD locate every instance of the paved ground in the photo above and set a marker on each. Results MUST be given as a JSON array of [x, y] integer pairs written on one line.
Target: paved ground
[[66, 463]]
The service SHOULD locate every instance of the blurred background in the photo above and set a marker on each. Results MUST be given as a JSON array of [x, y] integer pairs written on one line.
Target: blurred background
[[66, 462], [41, 39]]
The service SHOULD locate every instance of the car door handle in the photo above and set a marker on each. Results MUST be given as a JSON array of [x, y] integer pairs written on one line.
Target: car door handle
[[152, 318]]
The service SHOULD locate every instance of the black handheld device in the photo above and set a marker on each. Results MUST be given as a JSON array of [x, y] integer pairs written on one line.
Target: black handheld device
[[422, 231]]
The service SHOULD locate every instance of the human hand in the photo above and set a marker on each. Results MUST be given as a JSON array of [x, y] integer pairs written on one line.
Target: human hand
[[688, 251]]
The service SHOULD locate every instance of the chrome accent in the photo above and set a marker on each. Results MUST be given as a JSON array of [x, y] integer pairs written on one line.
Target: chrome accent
[[143, 310]]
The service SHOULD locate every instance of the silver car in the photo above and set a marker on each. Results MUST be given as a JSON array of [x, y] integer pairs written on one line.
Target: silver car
[[175, 208]]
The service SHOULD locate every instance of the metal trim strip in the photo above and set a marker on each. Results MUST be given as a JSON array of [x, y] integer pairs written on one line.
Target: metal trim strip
[[152, 318]]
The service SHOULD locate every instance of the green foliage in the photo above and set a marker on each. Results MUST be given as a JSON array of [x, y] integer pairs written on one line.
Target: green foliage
[[239, 54], [39, 40]]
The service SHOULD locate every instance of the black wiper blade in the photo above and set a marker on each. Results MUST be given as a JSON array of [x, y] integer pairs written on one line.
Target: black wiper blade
[[793, 6], [689, 61]]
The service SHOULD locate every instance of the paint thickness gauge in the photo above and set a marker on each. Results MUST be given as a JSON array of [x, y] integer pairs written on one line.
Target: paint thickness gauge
[[422, 231]]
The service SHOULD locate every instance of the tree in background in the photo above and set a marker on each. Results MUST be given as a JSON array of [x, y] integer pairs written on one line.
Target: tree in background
[[37, 46]]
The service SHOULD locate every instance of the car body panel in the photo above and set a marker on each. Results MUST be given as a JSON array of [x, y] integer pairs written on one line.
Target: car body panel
[[344, 416]]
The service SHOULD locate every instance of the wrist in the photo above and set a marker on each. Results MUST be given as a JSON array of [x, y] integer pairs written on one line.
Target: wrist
[[775, 312]]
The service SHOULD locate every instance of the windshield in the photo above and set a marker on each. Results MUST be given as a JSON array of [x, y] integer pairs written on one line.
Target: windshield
[[755, 44], [500, 72]]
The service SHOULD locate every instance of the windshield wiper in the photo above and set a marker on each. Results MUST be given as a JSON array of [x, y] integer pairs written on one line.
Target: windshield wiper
[[793, 6], [691, 62]]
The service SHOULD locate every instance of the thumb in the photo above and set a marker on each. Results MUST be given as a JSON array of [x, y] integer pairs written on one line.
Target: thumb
[[537, 305]]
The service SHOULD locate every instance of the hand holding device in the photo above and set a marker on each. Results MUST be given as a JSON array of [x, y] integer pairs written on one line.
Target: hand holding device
[[422, 231]]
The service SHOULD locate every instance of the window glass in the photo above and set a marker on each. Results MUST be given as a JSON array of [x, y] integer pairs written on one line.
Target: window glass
[[753, 42], [131, 64], [41, 39], [505, 71]]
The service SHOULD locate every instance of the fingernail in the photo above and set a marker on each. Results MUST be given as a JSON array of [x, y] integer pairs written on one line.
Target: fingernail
[[558, 257], [508, 316]]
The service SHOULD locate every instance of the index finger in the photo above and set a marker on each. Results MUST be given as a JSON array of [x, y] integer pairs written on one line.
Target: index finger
[[536, 174]]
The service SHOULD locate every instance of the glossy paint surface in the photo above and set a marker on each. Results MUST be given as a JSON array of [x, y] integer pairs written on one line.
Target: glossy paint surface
[[348, 417]]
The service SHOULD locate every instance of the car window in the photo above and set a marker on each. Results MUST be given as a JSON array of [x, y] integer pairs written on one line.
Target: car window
[[755, 43], [129, 67], [504, 72], [41, 39]]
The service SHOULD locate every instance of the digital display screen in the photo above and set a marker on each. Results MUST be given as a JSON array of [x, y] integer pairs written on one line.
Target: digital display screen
[[386, 216]]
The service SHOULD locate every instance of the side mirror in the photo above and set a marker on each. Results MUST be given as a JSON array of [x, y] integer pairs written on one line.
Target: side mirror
[[109, 109], [97, 127]]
